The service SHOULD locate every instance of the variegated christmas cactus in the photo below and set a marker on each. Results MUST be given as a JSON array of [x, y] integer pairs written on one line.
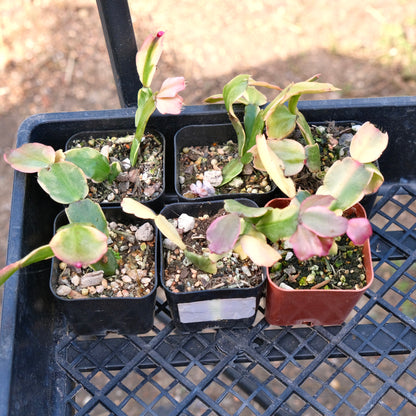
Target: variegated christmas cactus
[[63, 175], [82, 242], [280, 117], [166, 100]]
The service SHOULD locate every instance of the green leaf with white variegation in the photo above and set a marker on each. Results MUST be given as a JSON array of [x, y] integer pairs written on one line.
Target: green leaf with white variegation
[[148, 57], [291, 153], [145, 108], [213, 99], [346, 180], [64, 182], [233, 90], [280, 123], [254, 96], [30, 157]]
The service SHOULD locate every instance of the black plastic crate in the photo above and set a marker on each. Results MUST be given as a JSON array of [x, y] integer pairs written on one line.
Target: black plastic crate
[[366, 366]]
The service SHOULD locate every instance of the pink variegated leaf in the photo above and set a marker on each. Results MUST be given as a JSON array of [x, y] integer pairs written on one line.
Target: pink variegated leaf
[[259, 251], [323, 222], [307, 244], [359, 230], [30, 157], [316, 200], [148, 56], [223, 233], [167, 99]]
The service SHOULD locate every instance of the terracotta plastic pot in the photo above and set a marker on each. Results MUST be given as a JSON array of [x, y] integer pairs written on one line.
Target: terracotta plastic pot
[[286, 307]]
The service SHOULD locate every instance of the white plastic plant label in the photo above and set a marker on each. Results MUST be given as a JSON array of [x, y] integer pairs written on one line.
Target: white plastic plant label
[[216, 309]]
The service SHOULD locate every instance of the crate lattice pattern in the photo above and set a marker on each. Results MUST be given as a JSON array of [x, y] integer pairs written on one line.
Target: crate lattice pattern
[[367, 366]]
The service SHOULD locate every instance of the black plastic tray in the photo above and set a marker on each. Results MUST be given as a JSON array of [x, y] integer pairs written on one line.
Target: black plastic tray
[[366, 366]]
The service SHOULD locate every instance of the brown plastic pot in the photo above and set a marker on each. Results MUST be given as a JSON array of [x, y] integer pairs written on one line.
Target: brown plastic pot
[[286, 307]]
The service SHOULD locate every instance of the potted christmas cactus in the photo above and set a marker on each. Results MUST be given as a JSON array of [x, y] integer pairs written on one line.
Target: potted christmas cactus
[[139, 154], [211, 165], [323, 270], [211, 277], [104, 268], [318, 243]]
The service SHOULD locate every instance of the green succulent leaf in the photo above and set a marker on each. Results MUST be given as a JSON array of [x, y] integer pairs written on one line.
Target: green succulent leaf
[[108, 263], [79, 244], [41, 253], [213, 99], [64, 182], [115, 170], [280, 122], [254, 96], [235, 207], [145, 108], [253, 125], [91, 161], [313, 157], [304, 128], [232, 169], [203, 263], [232, 92], [234, 89], [87, 211], [278, 224]]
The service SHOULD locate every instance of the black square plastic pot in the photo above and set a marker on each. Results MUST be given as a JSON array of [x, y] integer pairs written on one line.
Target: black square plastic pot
[[97, 316], [156, 202], [203, 135], [219, 308]]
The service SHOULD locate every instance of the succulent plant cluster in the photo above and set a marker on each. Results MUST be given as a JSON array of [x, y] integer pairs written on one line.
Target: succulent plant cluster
[[309, 224]]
